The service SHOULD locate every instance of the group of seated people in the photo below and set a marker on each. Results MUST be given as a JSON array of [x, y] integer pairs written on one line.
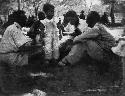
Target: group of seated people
[[42, 46]]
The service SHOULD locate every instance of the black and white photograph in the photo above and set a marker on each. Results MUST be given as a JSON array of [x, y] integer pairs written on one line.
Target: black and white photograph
[[62, 47]]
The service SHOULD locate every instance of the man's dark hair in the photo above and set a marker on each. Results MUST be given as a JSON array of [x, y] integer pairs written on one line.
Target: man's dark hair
[[19, 17], [48, 10], [72, 17], [41, 15], [48, 7], [92, 18]]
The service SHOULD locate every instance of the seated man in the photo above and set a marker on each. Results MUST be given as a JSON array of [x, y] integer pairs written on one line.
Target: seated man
[[14, 54], [94, 42], [71, 22], [120, 51]]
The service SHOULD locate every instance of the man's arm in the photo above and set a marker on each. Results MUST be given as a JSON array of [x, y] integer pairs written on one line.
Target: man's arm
[[89, 34], [22, 42], [28, 46]]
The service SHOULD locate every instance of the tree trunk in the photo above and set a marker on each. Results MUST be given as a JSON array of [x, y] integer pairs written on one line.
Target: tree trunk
[[112, 14], [5, 18], [36, 11], [18, 4]]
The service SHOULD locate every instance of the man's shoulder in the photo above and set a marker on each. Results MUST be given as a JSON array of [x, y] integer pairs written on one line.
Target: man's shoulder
[[9, 28], [91, 30], [12, 27]]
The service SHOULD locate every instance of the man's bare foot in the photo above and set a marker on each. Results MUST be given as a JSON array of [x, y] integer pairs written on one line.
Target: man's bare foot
[[61, 64]]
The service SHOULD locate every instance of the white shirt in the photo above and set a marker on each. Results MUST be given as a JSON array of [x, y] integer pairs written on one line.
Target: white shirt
[[12, 39]]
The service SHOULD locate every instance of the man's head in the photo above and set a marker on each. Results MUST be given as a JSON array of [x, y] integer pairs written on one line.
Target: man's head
[[41, 15], [59, 19], [82, 12], [48, 10], [82, 16], [92, 18], [71, 21], [72, 18], [20, 17]]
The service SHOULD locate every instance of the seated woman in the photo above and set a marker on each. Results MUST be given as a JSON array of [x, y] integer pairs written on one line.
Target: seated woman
[[96, 42], [71, 22]]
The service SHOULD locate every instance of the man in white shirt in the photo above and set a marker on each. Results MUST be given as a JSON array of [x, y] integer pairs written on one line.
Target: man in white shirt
[[12, 41], [14, 54]]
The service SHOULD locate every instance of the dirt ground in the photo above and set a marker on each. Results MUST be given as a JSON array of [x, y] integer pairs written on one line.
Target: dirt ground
[[82, 79]]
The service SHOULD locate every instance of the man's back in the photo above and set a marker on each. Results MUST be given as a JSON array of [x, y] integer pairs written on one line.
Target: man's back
[[12, 39], [51, 40]]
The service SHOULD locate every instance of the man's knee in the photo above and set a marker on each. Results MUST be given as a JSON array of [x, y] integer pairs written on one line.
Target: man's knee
[[77, 52]]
